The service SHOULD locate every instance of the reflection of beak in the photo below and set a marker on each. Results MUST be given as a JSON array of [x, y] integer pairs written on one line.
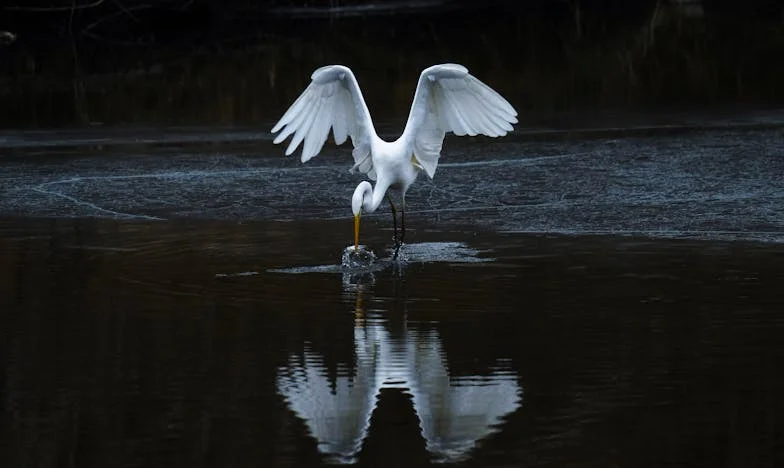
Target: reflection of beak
[[359, 309], [356, 231]]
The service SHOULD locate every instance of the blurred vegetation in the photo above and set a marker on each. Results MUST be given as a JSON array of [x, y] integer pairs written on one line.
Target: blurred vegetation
[[572, 60]]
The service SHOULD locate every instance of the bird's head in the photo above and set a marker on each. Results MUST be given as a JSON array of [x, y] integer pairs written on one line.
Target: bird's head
[[363, 190]]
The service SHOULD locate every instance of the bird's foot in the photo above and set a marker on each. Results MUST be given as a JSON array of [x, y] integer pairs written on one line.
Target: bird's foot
[[397, 250]]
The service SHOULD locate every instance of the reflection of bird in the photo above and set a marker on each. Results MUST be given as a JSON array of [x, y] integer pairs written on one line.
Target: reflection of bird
[[454, 413], [447, 99]]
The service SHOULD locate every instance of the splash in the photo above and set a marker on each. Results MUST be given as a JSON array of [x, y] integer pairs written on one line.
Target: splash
[[361, 257]]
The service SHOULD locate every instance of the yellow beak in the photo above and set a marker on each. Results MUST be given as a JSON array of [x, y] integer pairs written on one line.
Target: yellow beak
[[356, 231]]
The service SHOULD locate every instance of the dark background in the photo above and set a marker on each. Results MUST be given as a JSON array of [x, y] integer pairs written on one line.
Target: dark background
[[78, 62]]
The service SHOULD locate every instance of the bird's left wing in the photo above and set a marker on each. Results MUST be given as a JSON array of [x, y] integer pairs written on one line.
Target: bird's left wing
[[334, 101], [449, 99]]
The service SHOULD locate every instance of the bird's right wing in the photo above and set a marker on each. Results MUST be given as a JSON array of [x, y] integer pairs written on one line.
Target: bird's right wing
[[449, 99], [334, 101]]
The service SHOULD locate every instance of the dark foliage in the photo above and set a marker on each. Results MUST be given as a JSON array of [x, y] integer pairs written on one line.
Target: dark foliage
[[208, 61]]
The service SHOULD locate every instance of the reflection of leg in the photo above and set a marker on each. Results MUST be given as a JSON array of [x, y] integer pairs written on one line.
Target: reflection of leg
[[394, 218]]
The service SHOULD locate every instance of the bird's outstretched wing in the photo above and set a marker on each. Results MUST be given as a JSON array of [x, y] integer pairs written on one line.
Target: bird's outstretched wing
[[449, 99], [334, 101]]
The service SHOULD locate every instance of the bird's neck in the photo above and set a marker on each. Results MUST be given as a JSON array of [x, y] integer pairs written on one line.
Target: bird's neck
[[374, 197]]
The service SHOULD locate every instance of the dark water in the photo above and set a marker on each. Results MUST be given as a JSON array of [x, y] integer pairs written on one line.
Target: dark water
[[607, 302], [166, 344]]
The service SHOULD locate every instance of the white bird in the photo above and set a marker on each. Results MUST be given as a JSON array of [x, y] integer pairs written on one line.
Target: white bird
[[447, 99]]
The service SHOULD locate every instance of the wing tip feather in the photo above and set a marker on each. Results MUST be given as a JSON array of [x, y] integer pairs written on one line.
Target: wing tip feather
[[279, 138], [328, 73]]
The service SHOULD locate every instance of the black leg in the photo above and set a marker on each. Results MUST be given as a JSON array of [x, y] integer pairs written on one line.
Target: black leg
[[403, 231], [394, 219], [403, 222]]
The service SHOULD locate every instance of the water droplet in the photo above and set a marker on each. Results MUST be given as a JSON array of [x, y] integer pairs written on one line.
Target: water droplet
[[362, 257]]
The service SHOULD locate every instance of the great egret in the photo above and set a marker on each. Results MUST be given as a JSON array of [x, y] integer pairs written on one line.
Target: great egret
[[447, 99]]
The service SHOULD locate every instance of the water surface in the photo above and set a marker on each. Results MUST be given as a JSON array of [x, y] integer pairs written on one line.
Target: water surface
[[130, 343], [604, 301]]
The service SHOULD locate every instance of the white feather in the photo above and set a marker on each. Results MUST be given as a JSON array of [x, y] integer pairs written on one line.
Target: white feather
[[449, 99], [333, 101], [340, 122]]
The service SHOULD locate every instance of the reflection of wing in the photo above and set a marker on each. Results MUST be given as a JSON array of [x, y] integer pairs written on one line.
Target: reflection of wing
[[458, 418], [337, 415], [455, 414]]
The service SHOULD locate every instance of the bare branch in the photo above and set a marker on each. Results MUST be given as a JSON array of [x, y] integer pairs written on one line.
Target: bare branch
[[125, 11], [54, 9]]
